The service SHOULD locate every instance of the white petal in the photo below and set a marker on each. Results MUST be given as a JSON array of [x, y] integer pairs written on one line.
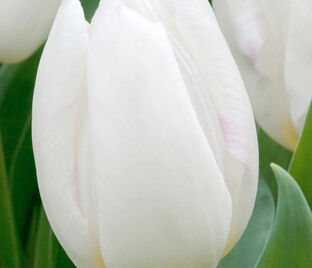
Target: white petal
[[206, 45], [24, 25], [193, 78], [252, 30], [271, 63], [298, 66], [163, 201], [60, 131], [219, 98], [242, 24]]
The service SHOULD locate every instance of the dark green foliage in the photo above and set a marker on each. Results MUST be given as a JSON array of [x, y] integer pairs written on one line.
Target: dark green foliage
[[301, 164]]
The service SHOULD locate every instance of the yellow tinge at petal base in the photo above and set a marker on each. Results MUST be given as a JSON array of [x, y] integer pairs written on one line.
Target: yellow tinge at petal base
[[271, 44]]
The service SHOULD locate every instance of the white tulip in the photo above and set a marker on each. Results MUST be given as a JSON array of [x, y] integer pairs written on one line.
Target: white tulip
[[144, 137], [24, 26], [272, 44]]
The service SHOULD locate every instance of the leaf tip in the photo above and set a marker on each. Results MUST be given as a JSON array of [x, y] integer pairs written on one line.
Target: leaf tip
[[274, 166]]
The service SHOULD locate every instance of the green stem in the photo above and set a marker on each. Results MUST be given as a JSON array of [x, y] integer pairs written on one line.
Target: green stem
[[8, 240]]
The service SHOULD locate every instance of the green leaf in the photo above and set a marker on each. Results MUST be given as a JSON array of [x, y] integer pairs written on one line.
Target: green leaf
[[30, 246], [301, 164], [290, 242], [269, 152], [250, 246], [9, 256], [62, 259], [44, 250], [23, 183], [16, 91]]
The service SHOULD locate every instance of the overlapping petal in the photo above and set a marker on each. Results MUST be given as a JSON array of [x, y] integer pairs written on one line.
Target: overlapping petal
[[265, 38], [145, 126], [60, 132], [163, 200], [218, 96], [204, 41]]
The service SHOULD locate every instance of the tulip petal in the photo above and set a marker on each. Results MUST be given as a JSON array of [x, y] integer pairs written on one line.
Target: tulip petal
[[218, 96], [162, 10], [256, 34], [60, 131], [163, 201], [224, 102], [204, 42], [298, 67], [271, 63], [24, 25]]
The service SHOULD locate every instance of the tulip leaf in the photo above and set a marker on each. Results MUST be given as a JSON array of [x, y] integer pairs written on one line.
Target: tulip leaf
[[32, 234], [23, 183], [44, 251], [62, 259], [16, 91], [301, 164], [271, 152], [290, 241], [9, 256]]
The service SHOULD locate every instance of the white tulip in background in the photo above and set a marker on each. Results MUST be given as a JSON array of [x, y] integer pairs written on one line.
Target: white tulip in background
[[24, 26], [272, 44], [144, 137]]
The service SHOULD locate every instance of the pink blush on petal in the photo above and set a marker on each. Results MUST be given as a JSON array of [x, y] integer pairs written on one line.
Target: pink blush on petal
[[235, 141]]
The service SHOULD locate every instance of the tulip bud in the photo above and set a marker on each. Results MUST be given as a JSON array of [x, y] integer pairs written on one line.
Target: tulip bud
[[24, 26], [144, 138], [271, 42]]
